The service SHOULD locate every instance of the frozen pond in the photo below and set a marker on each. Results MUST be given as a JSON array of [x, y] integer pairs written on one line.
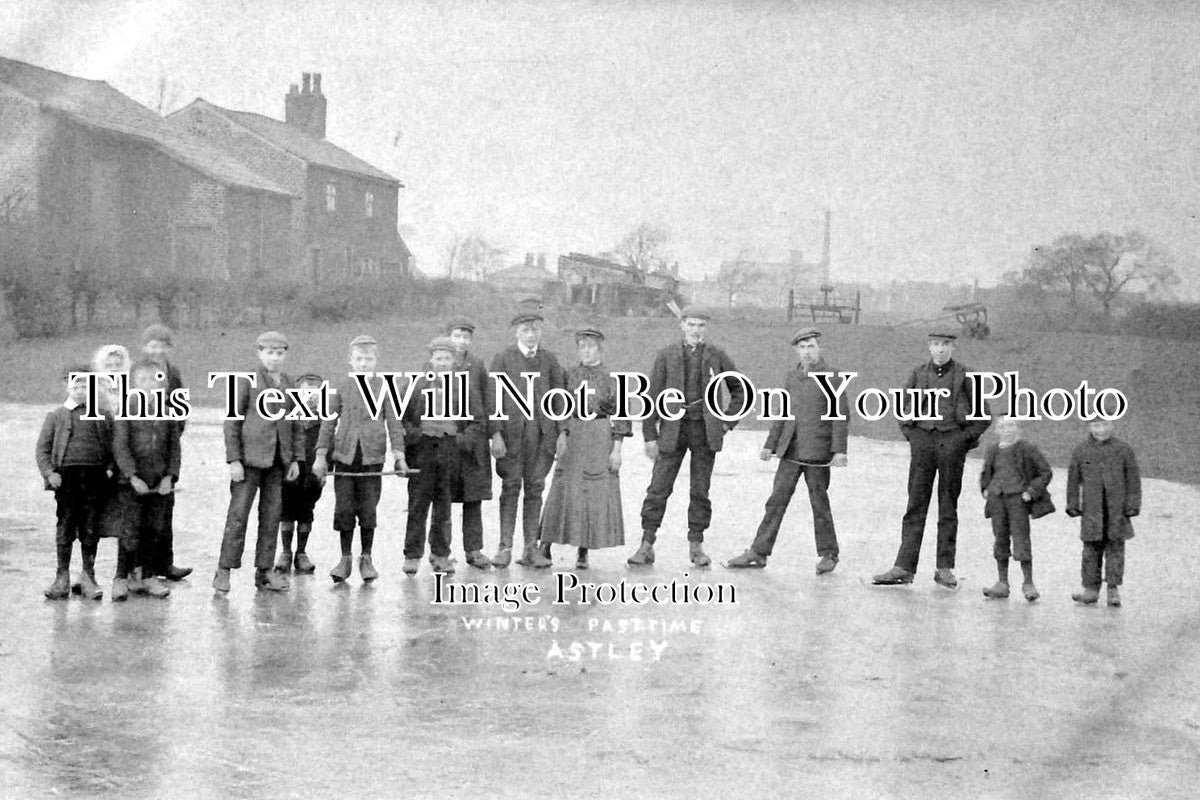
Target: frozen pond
[[804, 687]]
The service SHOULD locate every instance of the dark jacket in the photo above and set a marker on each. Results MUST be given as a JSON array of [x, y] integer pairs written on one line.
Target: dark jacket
[[512, 362], [817, 439], [1035, 473], [668, 373], [1104, 473], [354, 428], [474, 481], [147, 448], [254, 440], [925, 377], [56, 431], [469, 432]]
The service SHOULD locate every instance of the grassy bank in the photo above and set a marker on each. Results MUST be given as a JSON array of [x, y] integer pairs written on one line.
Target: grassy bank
[[1160, 378]]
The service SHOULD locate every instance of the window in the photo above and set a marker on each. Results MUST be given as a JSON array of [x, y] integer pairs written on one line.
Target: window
[[330, 197], [369, 203]]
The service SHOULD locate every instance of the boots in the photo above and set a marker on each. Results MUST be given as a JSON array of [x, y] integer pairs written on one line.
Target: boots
[[697, 555], [270, 580], [826, 565], [503, 557], [893, 577], [366, 569], [534, 556], [478, 560], [175, 573], [747, 560], [945, 577], [151, 586], [284, 562], [342, 570], [120, 590], [88, 587], [1088, 596], [1030, 591], [999, 591], [304, 564], [441, 564], [221, 580], [61, 588], [644, 556], [411, 565], [581, 558], [1114, 596]]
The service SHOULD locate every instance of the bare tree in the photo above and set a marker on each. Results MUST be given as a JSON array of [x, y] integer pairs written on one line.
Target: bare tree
[[643, 248], [471, 257], [736, 275]]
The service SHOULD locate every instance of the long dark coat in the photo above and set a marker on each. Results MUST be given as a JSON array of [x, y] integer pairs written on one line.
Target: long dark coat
[[1104, 477], [474, 480]]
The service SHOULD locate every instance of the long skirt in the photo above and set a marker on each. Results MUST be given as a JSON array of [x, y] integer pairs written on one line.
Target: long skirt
[[583, 507]]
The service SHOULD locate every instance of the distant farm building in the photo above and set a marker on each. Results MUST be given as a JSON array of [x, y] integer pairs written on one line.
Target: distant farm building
[[611, 288]]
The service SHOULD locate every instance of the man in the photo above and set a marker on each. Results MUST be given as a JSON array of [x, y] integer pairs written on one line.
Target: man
[[688, 366], [807, 444], [524, 448], [939, 448], [473, 482]]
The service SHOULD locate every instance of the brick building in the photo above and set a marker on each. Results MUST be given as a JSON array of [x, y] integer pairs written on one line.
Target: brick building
[[106, 184], [343, 223], [614, 288]]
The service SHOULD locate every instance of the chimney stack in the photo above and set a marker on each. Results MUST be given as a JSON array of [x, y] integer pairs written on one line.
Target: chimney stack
[[306, 109]]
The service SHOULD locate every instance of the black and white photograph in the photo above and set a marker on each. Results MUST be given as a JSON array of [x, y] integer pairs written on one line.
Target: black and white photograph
[[570, 399]]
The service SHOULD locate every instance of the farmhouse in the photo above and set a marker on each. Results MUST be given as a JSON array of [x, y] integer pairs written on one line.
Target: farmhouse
[[105, 184], [613, 288], [343, 223]]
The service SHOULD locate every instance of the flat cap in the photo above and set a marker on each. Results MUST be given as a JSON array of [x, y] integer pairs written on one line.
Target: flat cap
[[272, 339], [363, 341], [943, 333], [527, 316], [309, 377], [695, 312], [156, 333], [461, 324], [80, 368], [589, 333], [806, 333], [442, 343]]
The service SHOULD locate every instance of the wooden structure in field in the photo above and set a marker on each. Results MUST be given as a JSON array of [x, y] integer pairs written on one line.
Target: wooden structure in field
[[831, 307]]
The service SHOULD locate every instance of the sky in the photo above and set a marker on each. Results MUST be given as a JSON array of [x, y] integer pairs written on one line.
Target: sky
[[945, 138]]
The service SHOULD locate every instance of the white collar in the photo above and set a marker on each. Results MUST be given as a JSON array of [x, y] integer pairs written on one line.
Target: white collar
[[529, 352], [71, 405]]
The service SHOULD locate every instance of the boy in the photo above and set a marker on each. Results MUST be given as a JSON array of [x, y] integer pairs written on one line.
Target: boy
[[524, 448], [261, 454], [75, 460], [360, 444], [473, 482], [1013, 481], [147, 455], [301, 496], [1104, 489], [157, 346], [435, 447]]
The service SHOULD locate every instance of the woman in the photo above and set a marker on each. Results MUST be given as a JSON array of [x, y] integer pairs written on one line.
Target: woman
[[111, 359], [584, 503]]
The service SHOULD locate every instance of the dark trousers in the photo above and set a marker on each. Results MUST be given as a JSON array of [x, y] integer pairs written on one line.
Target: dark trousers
[[300, 497], [355, 498], [939, 454], [525, 470], [1010, 527], [1106, 556], [437, 459], [472, 524], [145, 523], [267, 484], [786, 478], [79, 504], [692, 438]]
